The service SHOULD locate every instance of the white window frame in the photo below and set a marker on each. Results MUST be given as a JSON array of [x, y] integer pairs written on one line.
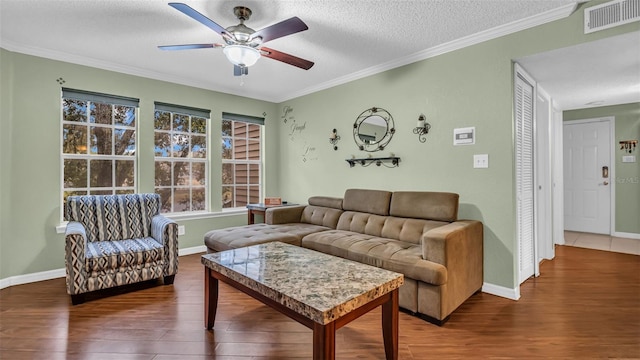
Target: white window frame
[[112, 100], [190, 113]]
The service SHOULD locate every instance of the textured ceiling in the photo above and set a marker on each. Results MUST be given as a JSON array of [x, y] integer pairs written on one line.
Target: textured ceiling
[[346, 39]]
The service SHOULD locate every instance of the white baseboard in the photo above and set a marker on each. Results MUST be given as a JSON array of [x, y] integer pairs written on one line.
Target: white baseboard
[[30, 278], [626, 235], [497, 290], [60, 273], [192, 250]]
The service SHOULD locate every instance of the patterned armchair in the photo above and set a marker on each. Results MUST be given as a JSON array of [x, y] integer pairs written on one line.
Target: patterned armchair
[[114, 240]]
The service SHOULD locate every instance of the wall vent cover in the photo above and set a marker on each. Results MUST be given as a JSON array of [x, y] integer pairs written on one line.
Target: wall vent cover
[[611, 14]]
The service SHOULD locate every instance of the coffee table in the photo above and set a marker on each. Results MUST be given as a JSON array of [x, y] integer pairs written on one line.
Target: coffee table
[[320, 291]]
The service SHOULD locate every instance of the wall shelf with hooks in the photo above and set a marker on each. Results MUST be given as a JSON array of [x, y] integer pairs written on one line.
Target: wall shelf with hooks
[[390, 162]]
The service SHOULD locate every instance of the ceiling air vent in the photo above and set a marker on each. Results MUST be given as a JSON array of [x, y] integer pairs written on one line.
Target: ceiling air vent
[[611, 14]]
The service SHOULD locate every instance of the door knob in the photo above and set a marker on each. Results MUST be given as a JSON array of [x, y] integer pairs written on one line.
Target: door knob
[[605, 183]]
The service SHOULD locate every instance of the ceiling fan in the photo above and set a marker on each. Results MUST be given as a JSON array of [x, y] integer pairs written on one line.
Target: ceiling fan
[[243, 45]]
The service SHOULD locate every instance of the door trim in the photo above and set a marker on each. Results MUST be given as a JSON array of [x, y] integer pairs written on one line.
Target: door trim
[[557, 196], [611, 121], [544, 175]]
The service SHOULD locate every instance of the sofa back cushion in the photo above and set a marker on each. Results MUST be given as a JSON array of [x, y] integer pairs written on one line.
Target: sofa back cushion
[[363, 223], [403, 229], [326, 201], [323, 211], [113, 217], [320, 215], [367, 201], [408, 230], [439, 206]]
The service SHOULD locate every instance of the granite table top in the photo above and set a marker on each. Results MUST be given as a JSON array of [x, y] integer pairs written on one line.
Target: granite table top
[[318, 286]]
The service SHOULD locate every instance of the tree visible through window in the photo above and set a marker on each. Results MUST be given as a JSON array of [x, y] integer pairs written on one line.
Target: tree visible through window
[[181, 157], [241, 161], [98, 144]]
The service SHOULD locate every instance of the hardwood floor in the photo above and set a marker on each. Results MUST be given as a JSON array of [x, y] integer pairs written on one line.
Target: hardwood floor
[[585, 305]]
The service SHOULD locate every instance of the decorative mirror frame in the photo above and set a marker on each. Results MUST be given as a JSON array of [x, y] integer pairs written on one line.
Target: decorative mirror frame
[[380, 144]]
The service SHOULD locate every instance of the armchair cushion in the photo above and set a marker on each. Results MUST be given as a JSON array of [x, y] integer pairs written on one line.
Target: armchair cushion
[[103, 255]]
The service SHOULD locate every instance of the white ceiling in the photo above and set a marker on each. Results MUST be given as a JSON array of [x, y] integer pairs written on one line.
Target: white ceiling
[[347, 39], [598, 73]]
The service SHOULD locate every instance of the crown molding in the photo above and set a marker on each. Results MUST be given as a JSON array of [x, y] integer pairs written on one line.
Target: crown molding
[[457, 44], [477, 38], [120, 68]]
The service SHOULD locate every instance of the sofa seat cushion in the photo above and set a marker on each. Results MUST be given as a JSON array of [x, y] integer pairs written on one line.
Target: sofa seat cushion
[[390, 254], [102, 255], [248, 235]]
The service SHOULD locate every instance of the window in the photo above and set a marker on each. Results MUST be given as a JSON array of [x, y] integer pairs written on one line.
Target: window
[[241, 160], [98, 144], [181, 157]]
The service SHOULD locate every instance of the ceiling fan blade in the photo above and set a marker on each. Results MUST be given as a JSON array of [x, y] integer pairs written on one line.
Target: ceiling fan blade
[[283, 28], [190, 12], [188, 46], [286, 58]]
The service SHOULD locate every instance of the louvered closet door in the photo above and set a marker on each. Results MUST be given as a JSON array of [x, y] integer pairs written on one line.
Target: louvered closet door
[[524, 176]]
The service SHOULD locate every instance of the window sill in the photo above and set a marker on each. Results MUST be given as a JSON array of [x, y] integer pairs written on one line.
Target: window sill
[[62, 227]]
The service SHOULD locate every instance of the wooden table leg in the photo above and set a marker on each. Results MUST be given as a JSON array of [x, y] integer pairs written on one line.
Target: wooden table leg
[[324, 341], [210, 298], [251, 219], [390, 326]]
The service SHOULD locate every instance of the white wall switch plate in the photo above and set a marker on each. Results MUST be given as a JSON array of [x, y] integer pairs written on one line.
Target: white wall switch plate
[[481, 161], [628, 159], [181, 230]]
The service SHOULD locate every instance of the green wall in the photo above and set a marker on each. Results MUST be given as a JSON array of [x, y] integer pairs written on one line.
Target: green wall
[[468, 87], [627, 175], [31, 170], [464, 88]]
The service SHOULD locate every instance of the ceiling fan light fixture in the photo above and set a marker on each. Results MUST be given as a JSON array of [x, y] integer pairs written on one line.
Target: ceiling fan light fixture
[[241, 55]]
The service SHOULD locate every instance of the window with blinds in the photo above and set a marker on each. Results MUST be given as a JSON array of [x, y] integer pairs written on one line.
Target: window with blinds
[[181, 157], [98, 151], [241, 160]]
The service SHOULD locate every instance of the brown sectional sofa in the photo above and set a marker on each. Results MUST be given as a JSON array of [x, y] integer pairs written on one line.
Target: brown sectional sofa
[[414, 233]]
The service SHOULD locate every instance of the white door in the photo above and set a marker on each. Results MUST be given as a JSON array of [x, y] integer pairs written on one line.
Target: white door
[[587, 176], [524, 140]]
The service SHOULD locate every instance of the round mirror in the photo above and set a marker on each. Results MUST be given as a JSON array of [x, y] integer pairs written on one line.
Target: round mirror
[[373, 129]]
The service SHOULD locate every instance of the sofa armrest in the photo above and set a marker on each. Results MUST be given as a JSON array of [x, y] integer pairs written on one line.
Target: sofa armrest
[[165, 231], [284, 215], [459, 241], [459, 247], [75, 239], [162, 227]]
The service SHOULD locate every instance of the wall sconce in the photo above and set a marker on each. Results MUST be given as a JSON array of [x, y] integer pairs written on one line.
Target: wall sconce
[[628, 145], [422, 128], [333, 139]]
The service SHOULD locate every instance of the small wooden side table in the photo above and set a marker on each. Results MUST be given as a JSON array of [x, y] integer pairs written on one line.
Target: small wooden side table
[[260, 209]]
